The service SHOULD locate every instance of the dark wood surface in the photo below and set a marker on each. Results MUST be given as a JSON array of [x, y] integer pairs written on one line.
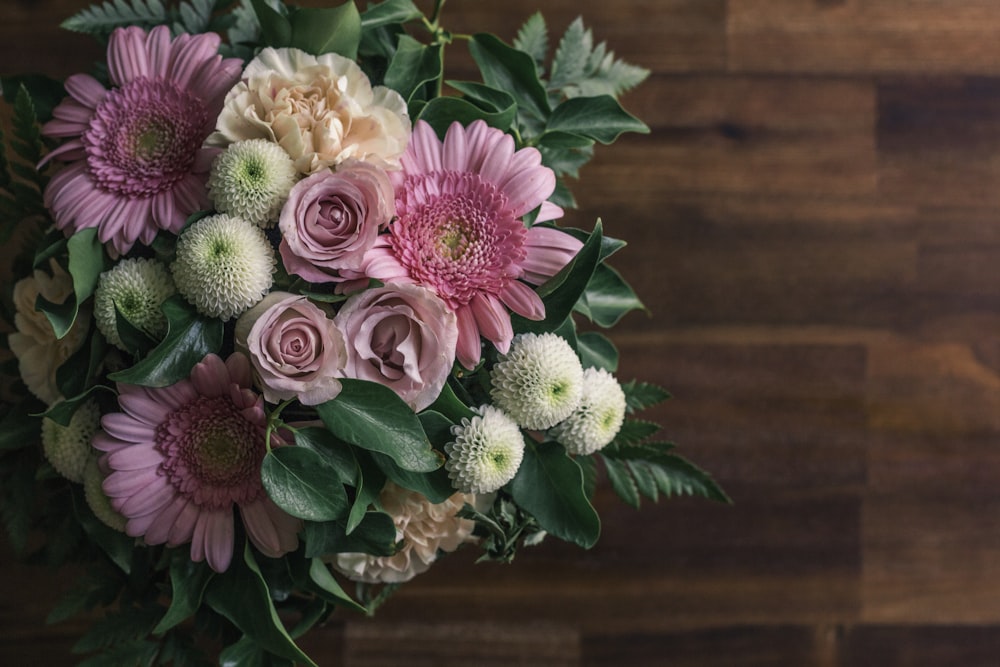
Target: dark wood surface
[[814, 224]]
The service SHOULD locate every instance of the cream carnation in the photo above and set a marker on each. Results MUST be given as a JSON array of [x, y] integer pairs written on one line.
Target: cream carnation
[[539, 382], [486, 452], [39, 353], [68, 447], [598, 418], [251, 180], [138, 287], [321, 109], [424, 528], [224, 265]]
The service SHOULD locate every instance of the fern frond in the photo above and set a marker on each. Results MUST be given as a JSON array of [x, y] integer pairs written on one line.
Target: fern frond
[[102, 19]]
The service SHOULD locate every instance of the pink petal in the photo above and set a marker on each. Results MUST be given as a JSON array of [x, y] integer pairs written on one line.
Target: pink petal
[[139, 406], [548, 251], [526, 190], [424, 152], [210, 377], [480, 138], [261, 529], [159, 529], [125, 485], [85, 89], [137, 457], [127, 55], [468, 348], [496, 164], [493, 320], [213, 539], [238, 366], [190, 54], [183, 529], [157, 493], [158, 53], [455, 152], [523, 300], [549, 211]]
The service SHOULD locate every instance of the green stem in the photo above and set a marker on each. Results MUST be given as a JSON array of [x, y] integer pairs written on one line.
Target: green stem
[[274, 422], [438, 5]]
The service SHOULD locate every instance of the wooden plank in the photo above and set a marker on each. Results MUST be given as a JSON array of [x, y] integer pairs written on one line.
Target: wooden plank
[[921, 646], [864, 36]]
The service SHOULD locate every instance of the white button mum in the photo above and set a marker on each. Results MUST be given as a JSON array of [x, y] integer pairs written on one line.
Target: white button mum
[[599, 417], [251, 180], [486, 452], [68, 447], [138, 287], [224, 265], [538, 383]]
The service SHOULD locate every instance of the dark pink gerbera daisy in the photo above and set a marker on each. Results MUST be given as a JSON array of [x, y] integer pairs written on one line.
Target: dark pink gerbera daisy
[[182, 456], [460, 233], [135, 158]]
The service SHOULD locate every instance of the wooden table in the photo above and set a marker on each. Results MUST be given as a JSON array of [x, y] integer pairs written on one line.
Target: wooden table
[[814, 224]]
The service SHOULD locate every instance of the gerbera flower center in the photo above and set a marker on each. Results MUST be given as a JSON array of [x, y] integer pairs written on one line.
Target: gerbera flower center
[[144, 137], [212, 453], [462, 241]]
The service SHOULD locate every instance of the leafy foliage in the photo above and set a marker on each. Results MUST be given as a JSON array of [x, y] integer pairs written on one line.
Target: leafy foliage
[[191, 16]]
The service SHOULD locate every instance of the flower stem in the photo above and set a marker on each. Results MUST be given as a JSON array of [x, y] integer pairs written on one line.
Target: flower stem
[[274, 422]]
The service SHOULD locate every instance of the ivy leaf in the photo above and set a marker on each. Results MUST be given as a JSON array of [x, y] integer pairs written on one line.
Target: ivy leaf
[[600, 118], [326, 30], [337, 454], [242, 597], [190, 337], [441, 112], [303, 483], [188, 581], [549, 486], [412, 67], [62, 412], [375, 535], [597, 351], [607, 298], [367, 487], [506, 68], [372, 416], [86, 262], [274, 25], [389, 12], [320, 575]]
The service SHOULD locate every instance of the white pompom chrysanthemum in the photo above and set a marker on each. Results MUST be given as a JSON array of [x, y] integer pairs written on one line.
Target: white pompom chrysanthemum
[[68, 447], [137, 287], [224, 265], [251, 180], [538, 382], [598, 418], [486, 452]]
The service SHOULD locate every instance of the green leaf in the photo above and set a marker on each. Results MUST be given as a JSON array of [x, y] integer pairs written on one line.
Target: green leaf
[[367, 487], [557, 139], [563, 290], [19, 429], [622, 482], [190, 337], [389, 12], [434, 485], [607, 298], [320, 575], [45, 92], [642, 395], [86, 262], [135, 339], [412, 66], [600, 118], [581, 69], [634, 431], [376, 535], [597, 351], [673, 475], [488, 99], [248, 653], [549, 485], [441, 112], [371, 416], [118, 627], [451, 406], [102, 19], [63, 411], [188, 581], [506, 68], [274, 26], [327, 30], [533, 39], [338, 454], [303, 483], [242, 597], [570, 61]]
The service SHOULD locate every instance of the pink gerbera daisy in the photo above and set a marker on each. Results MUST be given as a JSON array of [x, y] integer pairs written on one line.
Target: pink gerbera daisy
[[136, 162], [460, 233], [181, 456]]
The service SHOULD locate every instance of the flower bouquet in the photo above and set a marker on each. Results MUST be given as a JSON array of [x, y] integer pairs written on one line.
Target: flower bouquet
[[294, 312]]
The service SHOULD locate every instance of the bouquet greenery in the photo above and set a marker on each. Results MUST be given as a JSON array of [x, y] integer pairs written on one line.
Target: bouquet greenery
[[293, 310]]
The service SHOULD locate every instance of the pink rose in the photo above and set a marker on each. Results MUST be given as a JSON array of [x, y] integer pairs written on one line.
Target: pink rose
[[295, 349], [331, 219], [402, 336]]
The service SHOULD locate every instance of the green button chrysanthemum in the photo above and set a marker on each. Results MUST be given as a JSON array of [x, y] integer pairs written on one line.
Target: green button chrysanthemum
[[486, 452], [538, 382], [598, 418], [98, 501], [251, 180], [137, 287], [224, 265], [68, 447]]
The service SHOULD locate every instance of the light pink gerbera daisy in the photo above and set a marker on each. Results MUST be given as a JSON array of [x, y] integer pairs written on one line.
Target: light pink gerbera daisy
[[459, 231], [181, 456], [135, 158]]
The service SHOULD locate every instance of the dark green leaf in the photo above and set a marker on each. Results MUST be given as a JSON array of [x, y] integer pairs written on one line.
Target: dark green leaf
[[376, 535], [135, 652], [441, 112], [371, 416], [645, 479], [434, 485], [451, 406], [118, 627], [319, 574], [369, 484], [327, 30], [607, 298], [597, 351], [242, 597], [588, 466], [45, 92], [633, 432], [388, 12], [674, 475], [489, 99], [622, 482], [136, 340], [274, 26], [19, 428], [549, 485], [337, 454], [245, 653], [190, 337], [564, 140], [600, 118], [188, 581], [506, 68], [63, 411], [25, 124], [412, 66], [642, 395], [303, 483]]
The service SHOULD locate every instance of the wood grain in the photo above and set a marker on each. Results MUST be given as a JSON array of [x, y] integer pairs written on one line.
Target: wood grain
[[814, 225]]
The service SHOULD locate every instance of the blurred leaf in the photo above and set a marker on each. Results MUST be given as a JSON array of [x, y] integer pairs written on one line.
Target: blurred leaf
[[375, 535], [607, 298], [188, 581], [600, 118], [597, 351], [319, 574], [505, 68], [412, 67], [388, 12], [326, 30]]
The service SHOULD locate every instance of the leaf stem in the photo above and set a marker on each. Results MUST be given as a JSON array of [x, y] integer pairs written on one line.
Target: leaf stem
[[274, 422]]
